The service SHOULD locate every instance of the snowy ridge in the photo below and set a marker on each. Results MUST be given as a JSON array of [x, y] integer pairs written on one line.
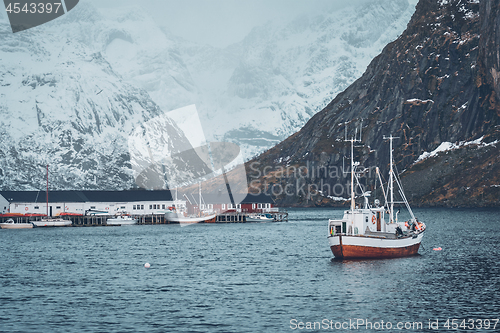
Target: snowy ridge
[[62, 104], [447, 146]]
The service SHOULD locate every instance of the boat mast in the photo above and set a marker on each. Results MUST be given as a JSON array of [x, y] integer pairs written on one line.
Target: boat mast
[[391, 179], [352, 140], [352, 176], [199, 195], [47, 192]]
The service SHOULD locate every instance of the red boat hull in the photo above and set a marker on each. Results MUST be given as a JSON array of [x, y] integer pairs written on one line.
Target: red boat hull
[[356, 251]]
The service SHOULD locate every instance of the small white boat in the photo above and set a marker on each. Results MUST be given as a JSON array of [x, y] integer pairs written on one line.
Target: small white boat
[[93, 212], [180, 218], [11, 224], [52, 222], [259, 218], [121, 220]]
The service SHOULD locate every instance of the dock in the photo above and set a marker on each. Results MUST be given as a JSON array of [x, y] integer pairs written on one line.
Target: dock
[[100, 220]]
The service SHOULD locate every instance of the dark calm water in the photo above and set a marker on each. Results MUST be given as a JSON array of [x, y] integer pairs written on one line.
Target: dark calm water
[[262, 277]]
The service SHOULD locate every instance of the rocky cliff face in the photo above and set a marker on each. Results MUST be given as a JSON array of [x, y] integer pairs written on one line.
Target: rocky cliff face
[[438, 82]]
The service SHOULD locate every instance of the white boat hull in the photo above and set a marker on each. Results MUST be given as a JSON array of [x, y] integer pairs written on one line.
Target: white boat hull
[[258, 219], [179, 218], [121, 221], [363, 246], [52, 223], [7, 225]]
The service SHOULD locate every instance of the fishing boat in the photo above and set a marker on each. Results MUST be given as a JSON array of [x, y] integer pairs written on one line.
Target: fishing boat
[[11, 224], [374, 231], [121, 220], [52, 222]]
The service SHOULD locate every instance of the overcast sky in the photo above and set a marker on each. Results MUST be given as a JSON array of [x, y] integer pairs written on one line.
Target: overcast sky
[[223, 22]]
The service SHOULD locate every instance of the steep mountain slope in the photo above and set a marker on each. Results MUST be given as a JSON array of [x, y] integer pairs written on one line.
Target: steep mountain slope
[[436, 83], [62, 104]]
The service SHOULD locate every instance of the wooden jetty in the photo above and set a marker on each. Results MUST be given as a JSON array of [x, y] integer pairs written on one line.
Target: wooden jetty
[[100, 220]]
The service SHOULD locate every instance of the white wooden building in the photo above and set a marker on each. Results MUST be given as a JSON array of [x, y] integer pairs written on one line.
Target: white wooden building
[[140, 202]]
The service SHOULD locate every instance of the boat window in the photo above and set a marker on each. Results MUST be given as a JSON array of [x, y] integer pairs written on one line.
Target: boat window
[[366, 219]]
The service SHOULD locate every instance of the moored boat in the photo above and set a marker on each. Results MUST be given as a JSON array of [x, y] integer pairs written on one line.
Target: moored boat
[[364, 232], [182, 219], [52, 222], [11, 224], [259, 218], [121, 220]]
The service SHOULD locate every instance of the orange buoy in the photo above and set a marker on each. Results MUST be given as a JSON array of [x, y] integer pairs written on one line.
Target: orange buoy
[[437, 248]]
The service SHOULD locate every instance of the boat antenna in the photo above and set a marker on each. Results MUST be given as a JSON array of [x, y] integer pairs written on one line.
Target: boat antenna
[[360, 130]]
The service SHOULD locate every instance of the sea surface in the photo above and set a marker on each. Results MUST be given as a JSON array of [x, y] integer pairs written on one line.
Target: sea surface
[[256, 277]]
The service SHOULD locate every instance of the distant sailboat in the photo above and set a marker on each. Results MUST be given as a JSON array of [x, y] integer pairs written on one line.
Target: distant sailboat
[[174, 216], [49, 221]]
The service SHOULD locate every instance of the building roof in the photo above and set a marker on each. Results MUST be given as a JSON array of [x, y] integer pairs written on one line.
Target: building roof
[[220, 198], [87, 196]]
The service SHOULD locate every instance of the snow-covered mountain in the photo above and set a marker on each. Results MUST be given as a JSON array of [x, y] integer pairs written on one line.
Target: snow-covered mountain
[[73, 90], [62, 104], [263, 89]]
